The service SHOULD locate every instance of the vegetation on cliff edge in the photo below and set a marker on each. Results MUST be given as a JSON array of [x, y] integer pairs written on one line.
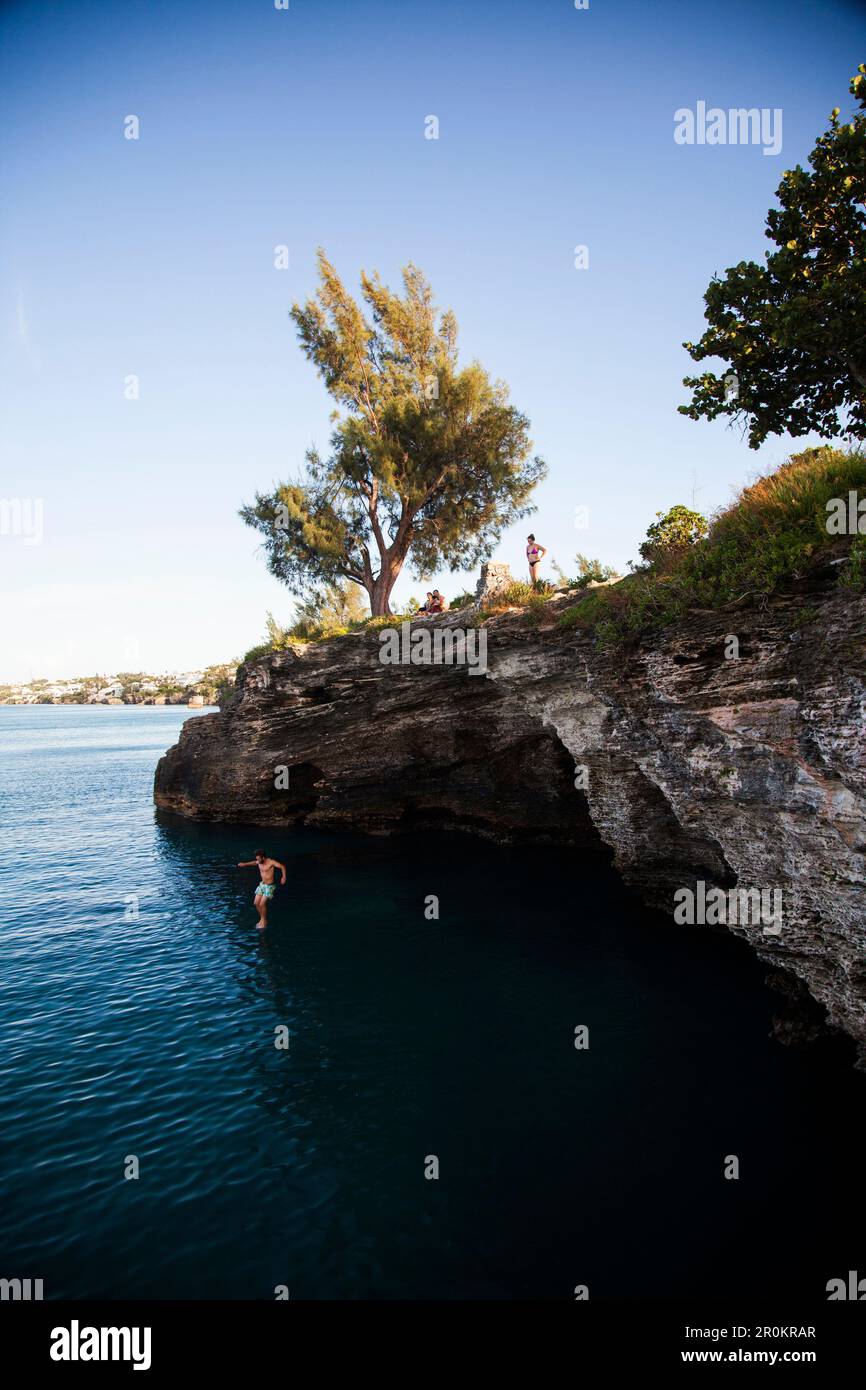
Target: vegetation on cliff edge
[[775, 530]]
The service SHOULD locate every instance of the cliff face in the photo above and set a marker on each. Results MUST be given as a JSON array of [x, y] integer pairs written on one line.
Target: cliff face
[[747, 773]]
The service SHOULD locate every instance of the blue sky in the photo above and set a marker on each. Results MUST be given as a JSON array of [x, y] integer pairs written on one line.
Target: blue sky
[[305, 127]]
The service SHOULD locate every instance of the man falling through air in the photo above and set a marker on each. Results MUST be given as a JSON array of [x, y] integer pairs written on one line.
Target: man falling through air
[[267, 887]]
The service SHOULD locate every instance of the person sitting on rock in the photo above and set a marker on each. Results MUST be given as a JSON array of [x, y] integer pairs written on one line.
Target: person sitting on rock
[[425, 607]]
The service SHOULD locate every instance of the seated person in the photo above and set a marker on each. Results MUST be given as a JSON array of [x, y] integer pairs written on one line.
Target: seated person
[[425, 607], [438, 604]]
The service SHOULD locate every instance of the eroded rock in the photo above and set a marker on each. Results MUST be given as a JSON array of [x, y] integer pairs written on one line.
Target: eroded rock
[[748, 771]]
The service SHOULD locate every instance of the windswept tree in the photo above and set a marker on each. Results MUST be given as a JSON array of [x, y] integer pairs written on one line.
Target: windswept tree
[[428, 462], [793, 330]]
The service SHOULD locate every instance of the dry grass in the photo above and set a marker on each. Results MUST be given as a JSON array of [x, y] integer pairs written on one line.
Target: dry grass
[[771, 534]]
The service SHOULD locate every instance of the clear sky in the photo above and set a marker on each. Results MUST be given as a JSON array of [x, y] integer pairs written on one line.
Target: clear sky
[[305, 127]]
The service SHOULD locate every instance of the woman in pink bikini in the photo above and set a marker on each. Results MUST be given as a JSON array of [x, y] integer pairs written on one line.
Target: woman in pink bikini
[[534, 553]]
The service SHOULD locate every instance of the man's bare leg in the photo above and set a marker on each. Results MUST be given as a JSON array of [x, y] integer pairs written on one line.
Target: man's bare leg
[[262, 903]]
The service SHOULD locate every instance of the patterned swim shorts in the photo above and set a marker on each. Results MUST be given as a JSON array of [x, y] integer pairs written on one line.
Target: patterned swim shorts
[[265, 890]]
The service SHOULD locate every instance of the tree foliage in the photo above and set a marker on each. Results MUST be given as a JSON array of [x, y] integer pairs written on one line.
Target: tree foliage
[[792, 330], [773, 534], [674, 530], [591, 572], [334, 608], [428, 462]]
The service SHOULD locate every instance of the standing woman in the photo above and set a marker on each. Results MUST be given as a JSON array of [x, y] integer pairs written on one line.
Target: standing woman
[[534, 553]]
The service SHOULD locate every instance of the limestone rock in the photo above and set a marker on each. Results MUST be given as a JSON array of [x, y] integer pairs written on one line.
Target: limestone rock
[[747, 772], [495, 578]]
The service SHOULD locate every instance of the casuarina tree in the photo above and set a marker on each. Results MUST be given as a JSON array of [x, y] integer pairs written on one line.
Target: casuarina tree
[[428, 462]]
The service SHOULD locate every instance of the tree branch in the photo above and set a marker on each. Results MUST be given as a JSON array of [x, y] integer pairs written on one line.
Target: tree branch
[[372, 510]]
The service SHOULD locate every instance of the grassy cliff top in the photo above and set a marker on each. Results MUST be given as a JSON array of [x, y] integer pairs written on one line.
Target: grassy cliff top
[[810, 510]]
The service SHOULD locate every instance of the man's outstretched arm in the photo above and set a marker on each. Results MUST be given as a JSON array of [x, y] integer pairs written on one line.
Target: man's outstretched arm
[[246, 863]]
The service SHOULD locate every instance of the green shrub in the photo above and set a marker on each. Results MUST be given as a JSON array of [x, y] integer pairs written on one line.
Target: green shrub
[[462, 600], [254, 653], [535, 606], [853, 575], [515, 596], [771, 534], [591, 572], [674, 531], [589, 611]]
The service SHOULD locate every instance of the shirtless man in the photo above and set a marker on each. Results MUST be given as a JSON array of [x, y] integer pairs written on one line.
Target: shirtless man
[[267, 887]]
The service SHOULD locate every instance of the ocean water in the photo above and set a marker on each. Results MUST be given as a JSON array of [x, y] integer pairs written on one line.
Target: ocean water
[[138, 1015]]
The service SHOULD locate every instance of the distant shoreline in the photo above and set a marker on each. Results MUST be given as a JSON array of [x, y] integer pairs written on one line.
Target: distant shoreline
[[101, 704], [197, 689]]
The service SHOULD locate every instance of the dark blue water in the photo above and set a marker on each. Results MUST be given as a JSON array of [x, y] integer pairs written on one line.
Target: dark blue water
[[139, 1006]]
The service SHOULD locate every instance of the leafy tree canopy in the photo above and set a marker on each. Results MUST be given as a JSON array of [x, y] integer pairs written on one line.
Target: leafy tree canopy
[[792, 330], [428, 462], [675, 530]]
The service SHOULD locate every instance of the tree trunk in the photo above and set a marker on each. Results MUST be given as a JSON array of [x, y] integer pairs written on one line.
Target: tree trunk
[[380, 592], [379, 606]]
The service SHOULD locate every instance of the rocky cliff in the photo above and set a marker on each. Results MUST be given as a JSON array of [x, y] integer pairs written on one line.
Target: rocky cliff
[[681, 762]]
